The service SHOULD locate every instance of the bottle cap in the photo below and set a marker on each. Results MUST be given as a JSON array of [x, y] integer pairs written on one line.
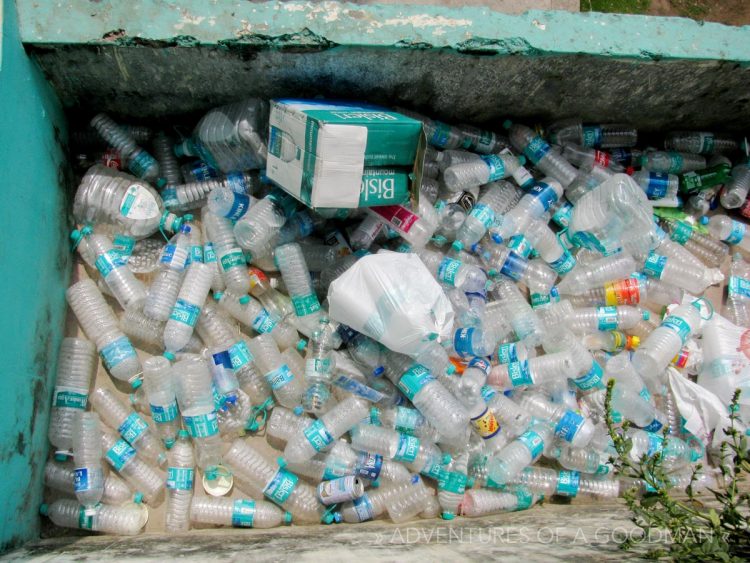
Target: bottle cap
[[244, 299], [635, 341], [136, 384], [457, 245], [60, 456], [375, 484], [446, 458], [522, 160], [298, 410], [470, 482], [378, 371], [218, 295], [187, 217], [492, 273], [44, 509], [161, 182], [301, 344], [448, 516], [217, 481], [695, 455], [75, 235], [630, 170], [450, 370], [138, 498], [507, 123], [183, 434], [287, 517], [281, 461], [646, 315], [704, 220], [169, 355], [168, 443]]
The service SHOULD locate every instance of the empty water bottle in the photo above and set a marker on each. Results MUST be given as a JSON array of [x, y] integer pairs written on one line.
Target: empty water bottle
[[699, 142], [256, 230], [569, 426], [657, 185], [291, 262], [535, 203], [252, 314], [61, 477], [238, 513], [523, 319], [542, 370], [736, 190], [159, 388], [415, 228], [173, 262], [180, 478], [136, 472], [672, 162], [319, 366], [140, 163], [599, 136], [168, 165], [595, 274], [708, 249], [483, 502], [497, 199], [187, 308], [123, 520], [692, 278], [675, 453], [738, 292], [535, 274], [87, 452], [728, 230], [542, 480], [395, 446], [229, 255], [519, 454], [287, 389], [540, 154], [488, 168]]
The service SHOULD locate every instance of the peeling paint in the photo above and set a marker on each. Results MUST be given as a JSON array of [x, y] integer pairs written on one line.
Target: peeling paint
[[425, 20]]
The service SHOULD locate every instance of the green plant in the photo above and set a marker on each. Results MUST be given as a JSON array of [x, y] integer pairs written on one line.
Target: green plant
[[616, 6], [697, 531]]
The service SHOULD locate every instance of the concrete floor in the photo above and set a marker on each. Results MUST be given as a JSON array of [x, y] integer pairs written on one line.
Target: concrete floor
[[507, 6]]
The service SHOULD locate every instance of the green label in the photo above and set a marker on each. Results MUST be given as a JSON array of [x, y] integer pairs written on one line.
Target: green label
[[453, 482], [408, 448], [414, 379], [281, 486], [70, 398], [305, 304], [202, 425], [243, 512], [383, 186], [180, 478], [318, 435], [681, 232], [232, 259]]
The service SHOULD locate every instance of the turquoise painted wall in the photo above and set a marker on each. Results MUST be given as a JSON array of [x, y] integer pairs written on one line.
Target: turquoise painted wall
[[34, 268]]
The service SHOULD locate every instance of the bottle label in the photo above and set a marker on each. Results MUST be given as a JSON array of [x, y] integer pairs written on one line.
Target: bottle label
[[563, 214], [363, 507], [602, 159], [545, 193], [201, 425], [675, 162], [85, 521], [520, 374], [646, 394], [481, 364], [141, 163], [514, 266], [619, 340], [433, 469], [196, 254], [654, 266], [484, 214], [536, 149], [524, 498], [653, 426], [453, 482], [496, 166], [281, 486], [399, 217], [414, 379], [738, 286], [305, 304], [240, 205], [369, 465], [209, 254], [232, 258], [606, 318], [110, 260], [407, 420], [264, 322], [447, 271], [657, 185], [120, 454], [85, 479], [532, 442], [408, 448], [681, 232], [679, 325], [132, 428], [123, 245], [622, 292], [243, 512], [655, 443], [568, 483], [180, 478], [239, 355], [185, 313], [592, 136], [486, 424], [707, 143], [176, 260], [279, 377], [358, 388], [116, 352], [592, 379], [70, 398], [735, 235], [564, 264], [567, 427], [440, 135], [462, 342], [318, 435], [520, 245], [139, 203]]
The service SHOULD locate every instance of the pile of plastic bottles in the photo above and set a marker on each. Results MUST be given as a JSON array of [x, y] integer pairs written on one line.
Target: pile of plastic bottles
[[570, 258]]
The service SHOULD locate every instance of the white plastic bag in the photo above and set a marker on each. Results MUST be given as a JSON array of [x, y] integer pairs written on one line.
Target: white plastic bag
[[392, 298]]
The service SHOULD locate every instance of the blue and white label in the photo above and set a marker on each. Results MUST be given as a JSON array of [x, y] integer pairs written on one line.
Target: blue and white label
[[606, 318], [318, 435], [407, 420], [592, 136], [164, 413], [593, 378], [536, 149], [520, 245], [239, 355], [569, 425], [281, 486], [358, 388], [243, 513], [369, 465], [484, 214], [520, 374], [116, 352], [408, 448], [120, 454], [488, 393], [495, 165], [264, 322], [738, 286], [564, 264], [363, 508], [132, 428], [240, 205], [568, 483], [70, 398], [657, 184], [279, 377], [180, 478], [87, 479], [447, 271], [185, 313], [654, 266], [110, 260], [655, 443], [123, 245], [735, 235], [679, 325], [480, 364], [532, 442], [563, 214], [414, 379], [209, 254], [236, 182], [201, 425], [653, 426], [544, 193], [462, 342], [305, 304]]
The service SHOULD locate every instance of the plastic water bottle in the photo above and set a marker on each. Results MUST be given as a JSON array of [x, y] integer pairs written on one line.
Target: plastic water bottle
[[100, 325], [76, 366], [588, 319], [260, 225], [87, 452], [483, 502], [180, 478], [259, 478], [710, 251], [533, 205], [173, 261], [321, 433], [599, 136], [657, 351], [159, 387], [230, 138], [61, 477], [196, 401], [672, 162], [452, 485], [229, 255], [132, 428], [128, 206], [471, 342], [569, 426], [252, 314], [583, 460], [365, 233], [523, 319], [595, 274], [513, 419], [631, 398], [545, 242], [738, 293], [542, 370], [238, 513], [405, 420], [536, 275], [728, 230], [540, 154], [453, 272], [136, 472], [611, 341], [415, 228], [675, 454], [699, 142], [119, 520], [488, 168], [319, 366], [657, 185], [736, 190], [488, 211], [451, 157], [299, 226], [395, 446], [519, 454], [402, 501], [291, 262], [583, 156], [287, 389], [140, 163], [634, 290], [543, 480], [229, 203], [168, 165], [187, 309], [690, 277]]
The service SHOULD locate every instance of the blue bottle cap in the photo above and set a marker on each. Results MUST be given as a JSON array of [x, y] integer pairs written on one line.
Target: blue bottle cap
[[298, 410], [448, 516], [378, 371], [287, 517], [457, 245], [169, 355], [138, 498], [244, 299], [704, 220], [44, 509], [507, 123], [59, 456]]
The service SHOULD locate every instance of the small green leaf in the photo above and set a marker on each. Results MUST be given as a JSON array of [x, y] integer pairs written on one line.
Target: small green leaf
[[714, 518]]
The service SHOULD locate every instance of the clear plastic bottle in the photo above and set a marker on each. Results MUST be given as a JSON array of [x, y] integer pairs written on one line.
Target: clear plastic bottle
[[483, 502], [569, 426], [537, 151], [238, 513], [536, 275], [119, 520], [256, 230], [159, 388], [282, 425], [597, 273], [180, 478], [728, 230], [61, 477], [488, 211], [139, 161], [736, 190], [187, 309], [672, 162], [692, 278], [519, 454], [737, 308], [173, 261], [87, 452], [254, 475], [415, 228], [248, 311], [631, 399], [657, 351], [593, 135], [76, 366], [291, 262], [395, 446], [132, 428], [209, 254], [168, 165], [228, 203], [471, 342], [699, 142], [100, 325], [513, 419], [319, 366], [196, 401], [657, 185], [365, 233], [611, 341], [486, 169], [584, 156], [229, 255], [634, 290], [405, 420], [545, 242], [409, 499], [319, 256], [136, 472], [589, 319], [543, 480], [453, 272], [542, 370], [583, 460], [710, 251], [286, 388], [525, 322], [126, 205], [533, 205], [321, 433], [675, 453]]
